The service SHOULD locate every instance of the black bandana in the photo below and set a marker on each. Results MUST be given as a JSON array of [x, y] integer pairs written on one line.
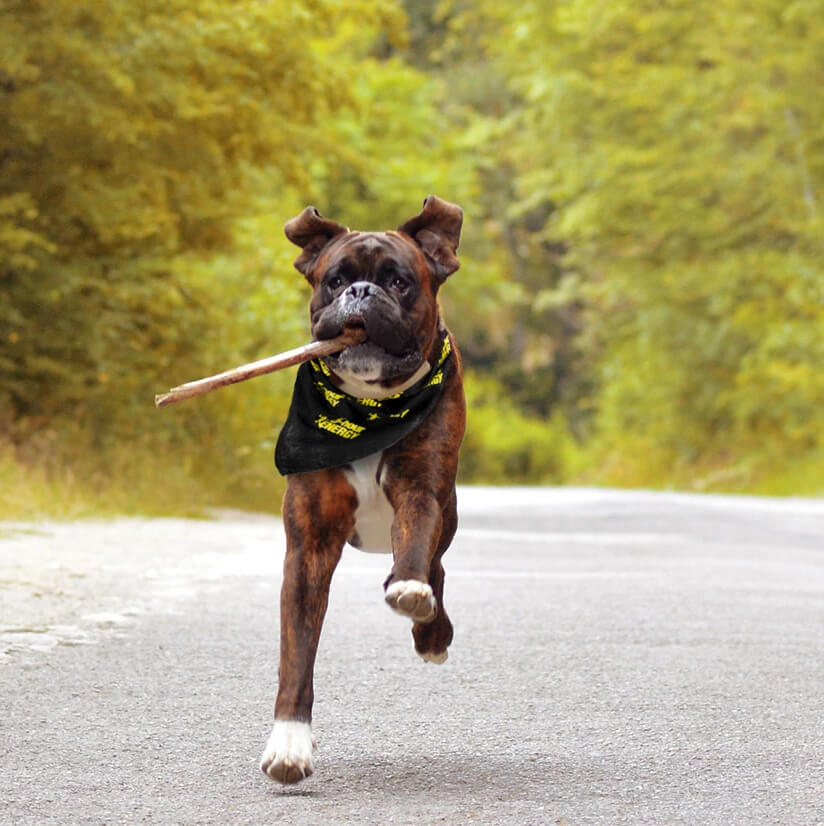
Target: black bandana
[[327, 428]]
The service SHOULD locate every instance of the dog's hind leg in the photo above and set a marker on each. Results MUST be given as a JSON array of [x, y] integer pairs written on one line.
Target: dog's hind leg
[[318, 516]]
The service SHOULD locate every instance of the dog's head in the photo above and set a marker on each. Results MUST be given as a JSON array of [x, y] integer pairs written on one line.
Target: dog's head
[[383, 282]]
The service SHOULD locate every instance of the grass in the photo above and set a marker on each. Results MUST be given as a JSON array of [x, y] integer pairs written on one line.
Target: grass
[[135, 481], [128, 484]]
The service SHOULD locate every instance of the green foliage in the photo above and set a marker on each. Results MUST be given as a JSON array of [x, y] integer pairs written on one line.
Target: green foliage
[[641, 262], [141, 146], [134, 133], [503, 445], [680, 146]]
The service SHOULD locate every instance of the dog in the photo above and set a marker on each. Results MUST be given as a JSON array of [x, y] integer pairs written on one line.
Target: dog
[[370, 446]]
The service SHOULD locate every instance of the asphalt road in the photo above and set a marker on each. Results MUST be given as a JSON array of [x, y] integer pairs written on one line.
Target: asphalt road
[[618, 658]]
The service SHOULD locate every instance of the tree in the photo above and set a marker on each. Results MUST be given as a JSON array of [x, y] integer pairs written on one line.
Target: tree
[[681, 146], [133, 134]]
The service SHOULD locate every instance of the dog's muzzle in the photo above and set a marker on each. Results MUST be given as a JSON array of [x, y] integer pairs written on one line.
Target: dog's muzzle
[[355, 301], [367, 306]]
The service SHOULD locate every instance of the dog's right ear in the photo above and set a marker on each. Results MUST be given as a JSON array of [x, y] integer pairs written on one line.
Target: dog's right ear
[[312, 232]]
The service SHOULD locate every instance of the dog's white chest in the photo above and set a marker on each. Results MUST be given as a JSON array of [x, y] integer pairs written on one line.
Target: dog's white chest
[[374, 514]]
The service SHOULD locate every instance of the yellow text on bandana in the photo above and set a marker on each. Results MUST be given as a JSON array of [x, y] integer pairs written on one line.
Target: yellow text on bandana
[[340, 427], [369, 402], [332, 398]]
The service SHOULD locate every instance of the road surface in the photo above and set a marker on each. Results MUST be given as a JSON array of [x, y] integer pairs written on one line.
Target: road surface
[[619, 657]]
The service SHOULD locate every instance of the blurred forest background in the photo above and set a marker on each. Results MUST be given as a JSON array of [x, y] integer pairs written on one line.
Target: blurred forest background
[[641, 298]]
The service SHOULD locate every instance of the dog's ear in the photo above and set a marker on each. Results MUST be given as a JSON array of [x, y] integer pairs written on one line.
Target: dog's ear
[[436, 229], [312, 232]]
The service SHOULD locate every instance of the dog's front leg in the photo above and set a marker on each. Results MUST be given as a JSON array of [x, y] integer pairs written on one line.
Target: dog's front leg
[[318, 518], [416, 532], [425, 522]]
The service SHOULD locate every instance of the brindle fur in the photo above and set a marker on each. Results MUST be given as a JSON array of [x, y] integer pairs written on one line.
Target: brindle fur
[[319, 517], [417, 474]]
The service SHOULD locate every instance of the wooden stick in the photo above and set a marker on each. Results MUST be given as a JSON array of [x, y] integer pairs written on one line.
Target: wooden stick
[[257, 368]]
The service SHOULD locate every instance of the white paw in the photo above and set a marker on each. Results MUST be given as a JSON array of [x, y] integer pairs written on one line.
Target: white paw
[[432, 657], [287, 757], [413, 599]]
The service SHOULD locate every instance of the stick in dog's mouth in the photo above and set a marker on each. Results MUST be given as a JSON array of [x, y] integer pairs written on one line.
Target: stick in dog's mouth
[[317, 349]]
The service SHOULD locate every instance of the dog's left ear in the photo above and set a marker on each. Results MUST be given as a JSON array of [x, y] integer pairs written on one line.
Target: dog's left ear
[[437, 231], [312, 232]]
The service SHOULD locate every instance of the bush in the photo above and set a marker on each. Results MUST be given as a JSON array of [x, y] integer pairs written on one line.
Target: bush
[[503, 445]]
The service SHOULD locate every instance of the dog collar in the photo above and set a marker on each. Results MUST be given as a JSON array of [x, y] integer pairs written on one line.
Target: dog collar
[[327, 428]]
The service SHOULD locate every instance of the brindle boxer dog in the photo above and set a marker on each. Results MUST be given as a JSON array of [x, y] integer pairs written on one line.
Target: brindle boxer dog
[[399, 499]]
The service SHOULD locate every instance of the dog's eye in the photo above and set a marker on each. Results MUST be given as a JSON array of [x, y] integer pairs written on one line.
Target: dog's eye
[[335, 282], [398, 283]]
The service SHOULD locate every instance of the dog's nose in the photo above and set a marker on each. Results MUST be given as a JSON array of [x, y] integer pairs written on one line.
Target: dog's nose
[[359, 290]]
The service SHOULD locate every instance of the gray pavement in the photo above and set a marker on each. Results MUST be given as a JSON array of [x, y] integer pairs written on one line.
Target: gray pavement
[[619, 657]]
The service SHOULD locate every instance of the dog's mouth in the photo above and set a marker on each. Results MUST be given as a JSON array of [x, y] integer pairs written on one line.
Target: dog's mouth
[[369, 360], [355, 326], [384, 348]]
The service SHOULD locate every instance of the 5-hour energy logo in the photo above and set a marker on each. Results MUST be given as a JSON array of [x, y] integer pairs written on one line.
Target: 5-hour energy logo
[[340, 427]]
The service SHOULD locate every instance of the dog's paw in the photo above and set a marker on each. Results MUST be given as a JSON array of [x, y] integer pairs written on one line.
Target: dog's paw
[[287, 757], [433, 638], [439, 657], [413, 599]]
